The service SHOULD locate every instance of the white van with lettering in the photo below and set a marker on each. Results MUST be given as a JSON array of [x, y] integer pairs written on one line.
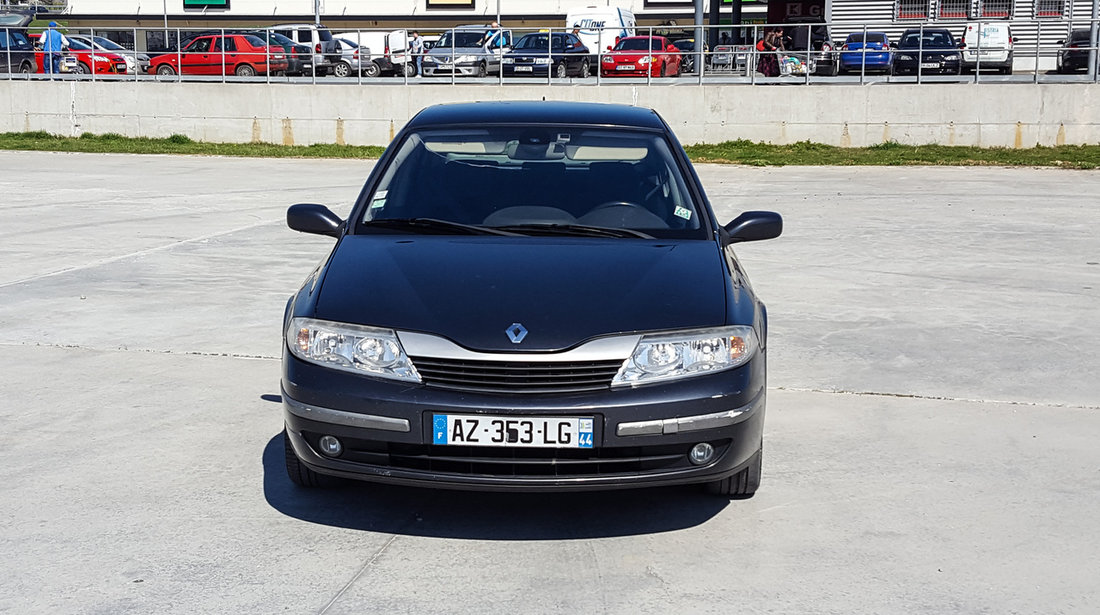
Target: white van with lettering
[[600, 27], [988, 45]]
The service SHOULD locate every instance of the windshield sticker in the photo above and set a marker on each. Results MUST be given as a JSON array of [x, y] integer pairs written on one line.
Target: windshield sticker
[[682, 213], [379, 199]]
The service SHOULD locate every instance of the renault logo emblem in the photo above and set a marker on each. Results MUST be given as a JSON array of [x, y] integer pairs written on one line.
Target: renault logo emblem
[[516, 332]]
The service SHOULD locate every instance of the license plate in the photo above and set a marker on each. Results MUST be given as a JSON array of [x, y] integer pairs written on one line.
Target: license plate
[[523, 69], [929, 64], [625, 67], [524, 432]]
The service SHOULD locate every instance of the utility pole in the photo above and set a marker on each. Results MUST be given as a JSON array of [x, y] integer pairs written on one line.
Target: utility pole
[[701, 37], [317, 12], [502, 27]]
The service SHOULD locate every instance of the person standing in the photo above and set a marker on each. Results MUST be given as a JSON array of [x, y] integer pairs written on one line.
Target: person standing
[[53, 43], [416, 48]]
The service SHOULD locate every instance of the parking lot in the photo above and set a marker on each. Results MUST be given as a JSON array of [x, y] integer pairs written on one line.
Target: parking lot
[[930, 440]]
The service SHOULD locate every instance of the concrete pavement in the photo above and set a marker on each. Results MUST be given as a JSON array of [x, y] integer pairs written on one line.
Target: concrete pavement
[[930, 443]]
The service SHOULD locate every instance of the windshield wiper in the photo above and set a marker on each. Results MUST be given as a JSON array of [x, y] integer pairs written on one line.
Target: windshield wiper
[[435, 224], [578, 230]]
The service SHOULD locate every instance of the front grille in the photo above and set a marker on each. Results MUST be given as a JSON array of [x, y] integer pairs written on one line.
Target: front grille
[[517, 376], [523, 462]]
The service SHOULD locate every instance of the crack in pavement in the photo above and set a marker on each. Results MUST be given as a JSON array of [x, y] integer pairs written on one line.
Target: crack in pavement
[[358, 574]]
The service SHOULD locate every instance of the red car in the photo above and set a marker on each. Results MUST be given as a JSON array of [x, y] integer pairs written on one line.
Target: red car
[[640, 56], [81, 59], [244, 55]]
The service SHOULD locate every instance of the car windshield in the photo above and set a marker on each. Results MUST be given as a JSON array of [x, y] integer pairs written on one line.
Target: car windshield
[[538, 42], [78, 45], [929, 40], [638, 44], [684, 45], [535, 180], [108, 44], [461, 38]]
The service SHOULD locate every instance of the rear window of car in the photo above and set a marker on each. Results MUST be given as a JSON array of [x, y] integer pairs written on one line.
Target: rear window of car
[[325, 34], [513, 175], [872, 37], [1080, 36]]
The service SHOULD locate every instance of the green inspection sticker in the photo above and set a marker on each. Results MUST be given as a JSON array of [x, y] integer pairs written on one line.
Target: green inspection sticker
[[683, 213]]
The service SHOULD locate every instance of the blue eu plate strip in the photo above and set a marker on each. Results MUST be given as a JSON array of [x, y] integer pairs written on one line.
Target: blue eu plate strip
[[439, 429]]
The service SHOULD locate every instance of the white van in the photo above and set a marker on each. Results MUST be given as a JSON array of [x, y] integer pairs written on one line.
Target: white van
[[389, 51], [992, 42], [600, 27]]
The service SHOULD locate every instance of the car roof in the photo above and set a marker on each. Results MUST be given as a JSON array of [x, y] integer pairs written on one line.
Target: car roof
[[538, 112], [919, 30]]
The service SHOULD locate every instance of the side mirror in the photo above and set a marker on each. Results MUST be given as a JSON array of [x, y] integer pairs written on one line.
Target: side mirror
[[315, 219], [962, 45], [1061, 42], [754, 226]]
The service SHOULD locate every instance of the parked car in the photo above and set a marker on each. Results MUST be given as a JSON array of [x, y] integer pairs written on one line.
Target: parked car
[[866, 53], [318, 38], [541, 53], [929, 51], [82, 60], [687, 54], [1074, 54], [135, 62], [350, 63], [458, 335], [16, 52], [641, 55], [382, 52], [243, 55], [472, 51], [810, 40], [991, 43]]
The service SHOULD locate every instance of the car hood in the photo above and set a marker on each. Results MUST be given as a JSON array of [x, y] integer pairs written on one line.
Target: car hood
[[562, 290]]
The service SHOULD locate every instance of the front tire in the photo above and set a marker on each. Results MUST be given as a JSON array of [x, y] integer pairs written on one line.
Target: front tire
[[297, 471], [408, 69], [744, 484], [165, 70], [559, 71], [482, 70], [82, 69]]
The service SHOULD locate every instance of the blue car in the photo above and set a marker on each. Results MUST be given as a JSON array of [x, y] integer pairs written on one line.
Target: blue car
[[868, 51]]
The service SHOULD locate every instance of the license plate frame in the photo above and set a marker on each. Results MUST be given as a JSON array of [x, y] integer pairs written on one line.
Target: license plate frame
[[517, 431], [930, 65], [524, 69], [626, 67]]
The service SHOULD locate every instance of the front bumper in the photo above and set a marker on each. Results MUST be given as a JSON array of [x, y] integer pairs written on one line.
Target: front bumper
[[641, 435], [465, 69]]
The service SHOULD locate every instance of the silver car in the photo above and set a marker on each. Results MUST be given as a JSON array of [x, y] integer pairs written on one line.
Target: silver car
[[350, 63], [472, 51]]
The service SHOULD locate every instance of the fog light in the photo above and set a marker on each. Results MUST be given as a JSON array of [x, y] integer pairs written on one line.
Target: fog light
[[331, 447], [700, 453]]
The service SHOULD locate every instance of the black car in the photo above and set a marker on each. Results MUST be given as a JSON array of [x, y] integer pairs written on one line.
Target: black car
[[531, 56], [931, 51], [687, 57], [1074, 55], [528, 295]]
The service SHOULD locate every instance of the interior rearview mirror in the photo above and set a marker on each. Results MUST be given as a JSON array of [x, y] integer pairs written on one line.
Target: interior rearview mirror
[[315, 219]]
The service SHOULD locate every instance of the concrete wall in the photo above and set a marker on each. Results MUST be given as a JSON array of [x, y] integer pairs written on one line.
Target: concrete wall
[[1008, 115]]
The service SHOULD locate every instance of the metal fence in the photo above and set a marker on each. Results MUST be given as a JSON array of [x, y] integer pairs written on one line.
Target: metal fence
[[1040, 51]]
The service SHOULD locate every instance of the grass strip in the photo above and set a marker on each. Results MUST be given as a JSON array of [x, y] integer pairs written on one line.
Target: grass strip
[[744, 152]]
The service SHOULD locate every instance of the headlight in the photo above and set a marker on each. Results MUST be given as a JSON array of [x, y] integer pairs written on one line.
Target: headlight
[[905, 56], [351, 348], [543, 60], [461, 59], [429, 60], [670, 356], [507, 60], [951, 57], [608, 60], [645, 60], [100, 59]]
